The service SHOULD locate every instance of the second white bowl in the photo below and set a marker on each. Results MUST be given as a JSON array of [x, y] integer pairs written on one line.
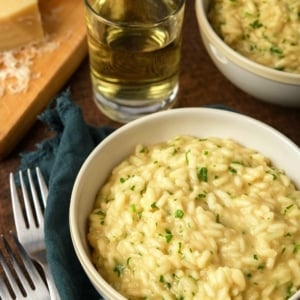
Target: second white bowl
[[262, 82]]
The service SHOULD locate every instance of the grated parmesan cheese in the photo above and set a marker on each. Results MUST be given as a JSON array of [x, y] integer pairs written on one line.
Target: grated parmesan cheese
[[16, 65]]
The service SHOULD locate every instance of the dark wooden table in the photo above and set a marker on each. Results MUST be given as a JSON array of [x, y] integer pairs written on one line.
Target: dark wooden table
[[201, 84]]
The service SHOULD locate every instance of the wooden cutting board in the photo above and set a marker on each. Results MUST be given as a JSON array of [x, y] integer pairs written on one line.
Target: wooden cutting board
[[64, 24]]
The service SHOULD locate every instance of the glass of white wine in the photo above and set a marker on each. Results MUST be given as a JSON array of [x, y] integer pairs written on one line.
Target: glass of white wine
[[134, 53]]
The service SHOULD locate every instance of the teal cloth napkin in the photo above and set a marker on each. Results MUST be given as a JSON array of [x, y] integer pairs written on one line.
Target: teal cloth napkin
[[60, 159]]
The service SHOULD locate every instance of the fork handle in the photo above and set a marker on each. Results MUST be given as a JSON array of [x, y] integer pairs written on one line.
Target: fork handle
[[54, 295]]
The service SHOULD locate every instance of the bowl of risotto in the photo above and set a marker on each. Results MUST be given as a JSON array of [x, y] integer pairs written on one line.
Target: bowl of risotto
[[190, 203], [256, 45]]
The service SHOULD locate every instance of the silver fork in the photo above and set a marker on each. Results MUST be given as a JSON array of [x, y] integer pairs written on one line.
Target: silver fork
[[22, 279], [30, 223]]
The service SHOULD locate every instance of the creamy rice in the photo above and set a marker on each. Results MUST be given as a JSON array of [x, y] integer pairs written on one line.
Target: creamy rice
[[267, 32], [197, 219]]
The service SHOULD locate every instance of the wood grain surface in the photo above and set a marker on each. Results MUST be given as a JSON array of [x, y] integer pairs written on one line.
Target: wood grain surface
[[200, 84], [64, 26]]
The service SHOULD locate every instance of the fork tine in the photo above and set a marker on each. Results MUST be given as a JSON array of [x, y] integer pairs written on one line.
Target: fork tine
[[4, 292], [29, 217], [17, 209], [34, 274], [37, 285], [36, 202], [26, 199], [11, 279], [42, 185]]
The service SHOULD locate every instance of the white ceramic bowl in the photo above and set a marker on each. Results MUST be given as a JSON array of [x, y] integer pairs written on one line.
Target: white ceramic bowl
[[262, 82], [158, 127]]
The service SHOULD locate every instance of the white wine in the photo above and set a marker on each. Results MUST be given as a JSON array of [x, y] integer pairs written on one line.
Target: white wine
[[135, 64]]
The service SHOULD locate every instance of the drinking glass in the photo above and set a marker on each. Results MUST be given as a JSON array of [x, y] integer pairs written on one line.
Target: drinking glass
[[134, 53]]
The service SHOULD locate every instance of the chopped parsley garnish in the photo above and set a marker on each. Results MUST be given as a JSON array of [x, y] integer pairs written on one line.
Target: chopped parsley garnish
[[133, 208], [296, 247], [101, 215], [118, 269], [275, 50], [203, 174], [128, 261], [187, 156], [256, 24], [144, 150], [273, 174], [168, 235], [154, 206], [201, 196], [180, 248], [162, 280], [179, 214], [232, 170], [287, 208], [290, 290]]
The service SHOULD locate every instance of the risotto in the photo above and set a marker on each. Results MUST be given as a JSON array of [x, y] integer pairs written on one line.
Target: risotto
[[195, 218], [266, 32]]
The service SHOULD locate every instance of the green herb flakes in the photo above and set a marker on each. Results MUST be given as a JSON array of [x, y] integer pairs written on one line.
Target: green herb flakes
[[187, 156], [290, 290], [144, 150], [166, 283], [128, 261], [122, 180], [133, 208], [201, 196], [118, 269], [296, 247], [154, 206], [179, 214], [256, 24], [202, 174], [168, 235], [232, 170], [180, 248], [287, 208], [101, 215], [276, 51], [272, 174]]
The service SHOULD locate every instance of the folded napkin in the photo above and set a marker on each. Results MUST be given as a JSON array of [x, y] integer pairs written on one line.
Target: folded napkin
[[60, 159]]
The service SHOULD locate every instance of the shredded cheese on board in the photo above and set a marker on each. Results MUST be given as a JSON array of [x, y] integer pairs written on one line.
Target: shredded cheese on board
[[16, 65]]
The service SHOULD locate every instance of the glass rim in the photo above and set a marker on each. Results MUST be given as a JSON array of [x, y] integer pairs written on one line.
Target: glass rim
[[181, 4]]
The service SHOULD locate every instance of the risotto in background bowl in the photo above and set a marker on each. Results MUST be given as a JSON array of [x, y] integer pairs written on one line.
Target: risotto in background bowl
[[190, 203], [266, 67]]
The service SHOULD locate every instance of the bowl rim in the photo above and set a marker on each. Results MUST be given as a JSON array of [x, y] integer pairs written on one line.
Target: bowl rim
[[234, 56], [81, 254]]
